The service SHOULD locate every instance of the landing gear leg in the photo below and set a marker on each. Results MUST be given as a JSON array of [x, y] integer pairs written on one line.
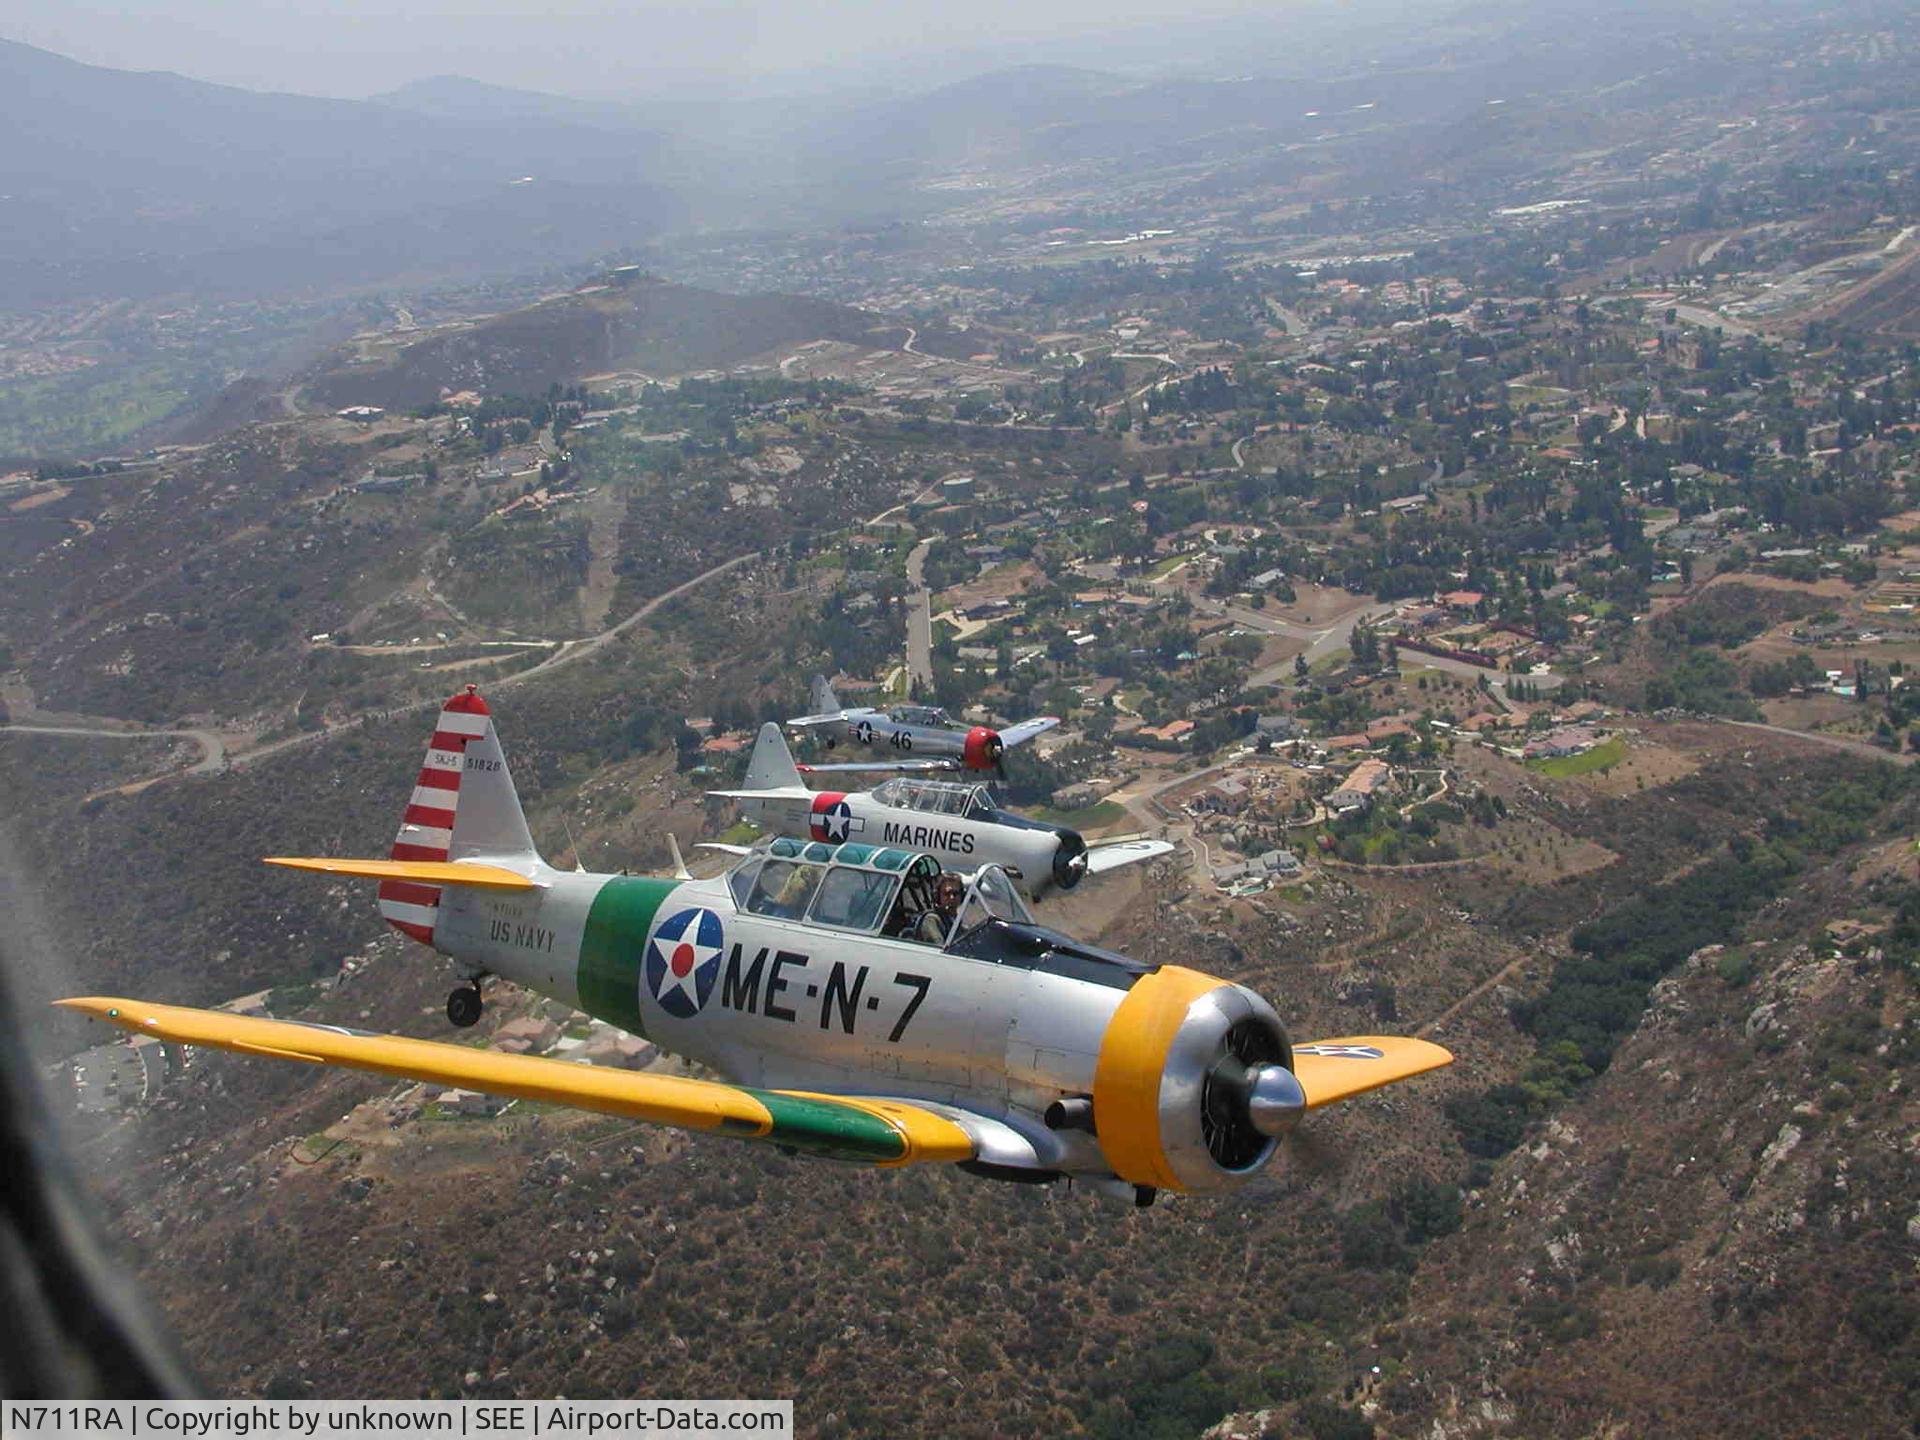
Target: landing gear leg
[[464, 1006]]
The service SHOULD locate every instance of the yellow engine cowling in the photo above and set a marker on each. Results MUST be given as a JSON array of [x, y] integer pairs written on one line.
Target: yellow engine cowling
[[1194, 1086]]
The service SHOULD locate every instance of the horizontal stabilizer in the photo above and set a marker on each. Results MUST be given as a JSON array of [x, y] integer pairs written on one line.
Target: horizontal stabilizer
[[1330, 1070], [859, 1129], [725, 848], [1102, 858], [425, 872]]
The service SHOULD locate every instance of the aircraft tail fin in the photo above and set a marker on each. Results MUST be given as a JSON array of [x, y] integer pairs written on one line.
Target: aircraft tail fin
[[463, 806], [823, 700], [771, 766]]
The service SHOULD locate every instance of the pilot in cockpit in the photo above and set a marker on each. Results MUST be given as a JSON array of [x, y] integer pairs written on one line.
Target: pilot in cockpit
[[934, 922], [925, 908]]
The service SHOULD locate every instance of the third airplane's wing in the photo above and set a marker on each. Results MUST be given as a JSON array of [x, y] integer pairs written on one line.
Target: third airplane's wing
[[1102, 858], [1019, 734], [1330, 1070], [874, 1132]]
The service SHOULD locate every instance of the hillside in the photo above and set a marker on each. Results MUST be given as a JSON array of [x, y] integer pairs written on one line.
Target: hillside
[[648, 325]]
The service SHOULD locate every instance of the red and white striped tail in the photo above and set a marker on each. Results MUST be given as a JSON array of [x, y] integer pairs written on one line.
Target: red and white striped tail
[[426, 830]]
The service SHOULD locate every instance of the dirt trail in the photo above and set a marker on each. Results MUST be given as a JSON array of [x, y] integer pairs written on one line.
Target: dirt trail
[[605, 512]]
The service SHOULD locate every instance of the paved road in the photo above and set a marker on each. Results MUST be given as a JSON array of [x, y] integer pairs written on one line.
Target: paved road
[[1135, 797], [1322, 640], [919, 625], [1420, 660]]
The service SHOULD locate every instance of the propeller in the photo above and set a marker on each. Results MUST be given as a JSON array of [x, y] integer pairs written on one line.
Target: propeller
[[1069, 859], [983, 748], [1249, 1098]]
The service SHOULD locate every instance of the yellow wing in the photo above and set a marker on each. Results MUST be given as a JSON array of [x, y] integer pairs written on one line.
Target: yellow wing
[[1330, 1070], [876, 1132]]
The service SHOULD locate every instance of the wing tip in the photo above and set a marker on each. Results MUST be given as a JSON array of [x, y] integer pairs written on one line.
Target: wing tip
[[100, 1007]]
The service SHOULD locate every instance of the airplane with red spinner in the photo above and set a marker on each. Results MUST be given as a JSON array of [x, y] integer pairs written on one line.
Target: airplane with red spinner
[[921, 737]]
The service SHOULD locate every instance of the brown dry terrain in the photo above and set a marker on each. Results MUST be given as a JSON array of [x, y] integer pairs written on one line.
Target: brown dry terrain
[[996, 584]]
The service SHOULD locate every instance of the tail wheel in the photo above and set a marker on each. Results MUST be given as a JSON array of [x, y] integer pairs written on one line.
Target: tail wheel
[[464, 1006]]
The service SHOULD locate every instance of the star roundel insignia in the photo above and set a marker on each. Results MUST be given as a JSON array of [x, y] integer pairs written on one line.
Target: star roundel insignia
[[1342, 1052], [863, 732], [833, 819], [683, 961]]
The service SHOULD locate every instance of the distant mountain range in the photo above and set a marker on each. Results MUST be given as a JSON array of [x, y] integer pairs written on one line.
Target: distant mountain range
[[122, 183]]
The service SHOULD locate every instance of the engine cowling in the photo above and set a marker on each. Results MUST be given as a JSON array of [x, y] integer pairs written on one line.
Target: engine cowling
[[1194, 1088], [1069, 859], [982, 748]]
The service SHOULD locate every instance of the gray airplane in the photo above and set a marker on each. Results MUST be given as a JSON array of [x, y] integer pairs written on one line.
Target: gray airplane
[[921, 737]]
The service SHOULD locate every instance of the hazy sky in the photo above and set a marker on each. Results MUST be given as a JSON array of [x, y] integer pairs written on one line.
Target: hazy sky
[[582, 47]]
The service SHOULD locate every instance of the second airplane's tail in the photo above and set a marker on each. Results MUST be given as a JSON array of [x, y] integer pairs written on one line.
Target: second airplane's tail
[[771, 765], [823, 700]]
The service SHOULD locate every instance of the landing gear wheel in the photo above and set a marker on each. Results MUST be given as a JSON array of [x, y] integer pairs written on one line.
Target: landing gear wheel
[[464, 1005]]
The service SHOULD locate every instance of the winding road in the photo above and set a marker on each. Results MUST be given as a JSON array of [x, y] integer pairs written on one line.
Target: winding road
[[216, 756], [213, 745]]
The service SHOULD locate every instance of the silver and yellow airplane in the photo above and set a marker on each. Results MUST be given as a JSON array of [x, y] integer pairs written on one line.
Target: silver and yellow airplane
[[859, 1008], [920, 737], [956, 821]]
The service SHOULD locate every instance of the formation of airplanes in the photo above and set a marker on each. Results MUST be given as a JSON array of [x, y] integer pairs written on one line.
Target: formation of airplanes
[[955, 821], [863, 998]]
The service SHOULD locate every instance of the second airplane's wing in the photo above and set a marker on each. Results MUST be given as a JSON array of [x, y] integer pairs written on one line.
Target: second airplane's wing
[[1102, 858], [874, 1132], [1019, 734], [1330, 1070]]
